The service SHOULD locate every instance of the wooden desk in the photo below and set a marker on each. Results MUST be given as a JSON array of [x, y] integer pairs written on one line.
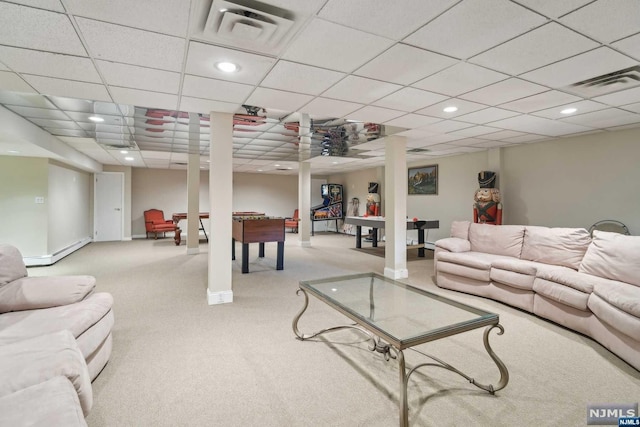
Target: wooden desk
[[177, 217], [257, 231], [376, 222]]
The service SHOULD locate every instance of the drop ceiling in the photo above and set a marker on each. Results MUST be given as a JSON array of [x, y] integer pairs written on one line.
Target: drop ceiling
[[148, 68]]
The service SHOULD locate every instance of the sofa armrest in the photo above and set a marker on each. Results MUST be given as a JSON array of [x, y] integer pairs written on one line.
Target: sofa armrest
[[30, 293], [454, 244], [30, 362]]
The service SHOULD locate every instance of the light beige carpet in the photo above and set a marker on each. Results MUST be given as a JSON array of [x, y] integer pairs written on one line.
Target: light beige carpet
[[179, 362]]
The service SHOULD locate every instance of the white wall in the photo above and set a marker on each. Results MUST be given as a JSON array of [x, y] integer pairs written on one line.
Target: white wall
[[68, 207]]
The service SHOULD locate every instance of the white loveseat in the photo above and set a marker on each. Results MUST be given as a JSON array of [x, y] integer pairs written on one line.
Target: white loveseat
[[590, 285]]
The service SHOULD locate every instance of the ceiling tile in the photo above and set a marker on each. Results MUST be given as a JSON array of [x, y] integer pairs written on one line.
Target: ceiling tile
[[537, 48], [374, 114], [382, 17], [620, 98], [581, 67], [621, 19], [463, 107], [142, 98], [473, 26], [39, 113], [462, 77], [583, 106], [132, 46], [473, 131], [446, 126], [504, 91], [630, 46], [218, 90], [50, 64], [202, 58], [632, 107], [69, 88], [554, 9], [323, 107], [161, 16], [526, 138], [124, 75], [537, 125], [333, 46], [411, 121], [280, 100], [11, 81], [540, 101], [604, 118], [503, 134], [54, 5], [487, 115], [206, 106], [300, 78], [38, 29], [404, 65], [409, 99], [360, 89]]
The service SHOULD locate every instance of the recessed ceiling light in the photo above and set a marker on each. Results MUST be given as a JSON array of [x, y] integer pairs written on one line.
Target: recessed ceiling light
[[259, 170], [124, 152], [130, 159], [13, 152], [569, 110], [96, 119], [277, 165], [335, 163], [450, 109], [227, 67]]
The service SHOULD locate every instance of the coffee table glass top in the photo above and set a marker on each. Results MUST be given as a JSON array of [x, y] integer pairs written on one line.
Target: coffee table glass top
[[401, 314]]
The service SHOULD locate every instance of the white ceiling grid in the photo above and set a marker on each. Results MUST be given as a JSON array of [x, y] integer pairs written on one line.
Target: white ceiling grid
[[509, 66]]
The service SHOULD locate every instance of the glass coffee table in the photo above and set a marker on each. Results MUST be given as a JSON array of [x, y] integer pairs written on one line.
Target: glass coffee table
[[396, 316]]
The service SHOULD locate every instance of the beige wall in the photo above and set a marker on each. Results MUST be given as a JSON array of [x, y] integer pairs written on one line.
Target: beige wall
[[24, 223]]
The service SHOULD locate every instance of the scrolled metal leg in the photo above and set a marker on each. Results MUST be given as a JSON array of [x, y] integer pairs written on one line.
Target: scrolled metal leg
[[303, 337], [403, 403]]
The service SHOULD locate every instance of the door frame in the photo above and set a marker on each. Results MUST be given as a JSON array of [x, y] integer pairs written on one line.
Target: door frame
[[95, 202]]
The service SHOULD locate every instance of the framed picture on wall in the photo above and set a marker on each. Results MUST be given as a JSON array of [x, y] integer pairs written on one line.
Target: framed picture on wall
[[423, 180]]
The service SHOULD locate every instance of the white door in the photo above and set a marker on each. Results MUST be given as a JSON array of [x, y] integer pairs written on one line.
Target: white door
[[109, 206]]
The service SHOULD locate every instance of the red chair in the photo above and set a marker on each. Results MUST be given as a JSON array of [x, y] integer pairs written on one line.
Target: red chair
[[154, 222], [292, 222]]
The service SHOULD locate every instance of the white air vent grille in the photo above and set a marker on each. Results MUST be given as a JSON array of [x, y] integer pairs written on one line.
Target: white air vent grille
[[608, 83], [248, 24]]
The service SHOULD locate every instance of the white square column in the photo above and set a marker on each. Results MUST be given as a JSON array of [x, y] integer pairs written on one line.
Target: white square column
[[395, 193], [304, 181], [193, 186], [219, 289]]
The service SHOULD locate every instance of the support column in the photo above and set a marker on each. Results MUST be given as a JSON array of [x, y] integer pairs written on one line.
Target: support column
[[304, 181], [395, 193], [219, 289], [193, 186]]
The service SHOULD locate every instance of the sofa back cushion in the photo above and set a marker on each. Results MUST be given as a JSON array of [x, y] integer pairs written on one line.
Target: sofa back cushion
[[613, 256], [555, 246], [460, 229], [11, 264], [497, 239]]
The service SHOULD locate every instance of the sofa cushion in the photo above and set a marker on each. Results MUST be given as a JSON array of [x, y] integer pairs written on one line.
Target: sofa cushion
[[613, 256], [29, 293], [556, 246], [515, 265], [454, 244], [77, 318], [11, 264], [51, 403], [614, 317], [574, 279], [561, 293], [460, 229], [620, 295], [497, 239], [32, 361], [467, 264]]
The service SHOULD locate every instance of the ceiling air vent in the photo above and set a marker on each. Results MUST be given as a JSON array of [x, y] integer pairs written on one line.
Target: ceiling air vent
[[608, 83], [248, 24]]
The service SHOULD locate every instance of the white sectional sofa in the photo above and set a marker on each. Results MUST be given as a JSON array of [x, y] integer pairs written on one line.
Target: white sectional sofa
[[590, 285], [55, 338]]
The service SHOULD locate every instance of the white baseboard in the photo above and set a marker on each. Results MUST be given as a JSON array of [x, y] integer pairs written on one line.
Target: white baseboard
[[402, 273], [53, 258], [223, 297], [193, 251]]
